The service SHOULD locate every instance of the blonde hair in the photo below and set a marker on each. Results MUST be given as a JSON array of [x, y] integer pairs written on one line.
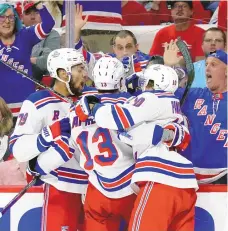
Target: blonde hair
[[6, 123]]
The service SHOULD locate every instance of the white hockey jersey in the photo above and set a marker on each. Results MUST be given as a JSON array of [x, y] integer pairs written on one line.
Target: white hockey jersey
[[108, 162], [139, 116], [40, 109]]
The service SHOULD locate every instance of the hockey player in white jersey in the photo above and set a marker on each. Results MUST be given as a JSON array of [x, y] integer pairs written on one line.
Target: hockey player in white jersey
[[165, 180], [41, 137], [108, 162]]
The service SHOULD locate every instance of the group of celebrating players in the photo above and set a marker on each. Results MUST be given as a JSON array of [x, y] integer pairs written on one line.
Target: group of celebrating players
[[117, 151]]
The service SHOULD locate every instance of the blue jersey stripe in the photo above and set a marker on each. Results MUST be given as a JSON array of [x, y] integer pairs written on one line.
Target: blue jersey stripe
[[164, 172], [116, 118], [158, 159]]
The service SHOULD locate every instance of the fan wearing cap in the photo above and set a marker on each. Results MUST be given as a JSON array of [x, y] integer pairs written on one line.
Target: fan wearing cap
[[183, 27], [16, 44], [31, 16], [206, 109], [213, 39]]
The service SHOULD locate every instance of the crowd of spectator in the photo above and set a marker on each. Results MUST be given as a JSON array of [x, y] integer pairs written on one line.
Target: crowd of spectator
[[29, 33]]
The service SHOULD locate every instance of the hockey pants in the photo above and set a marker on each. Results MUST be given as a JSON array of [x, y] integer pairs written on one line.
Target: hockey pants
[[107, 214], [62, 211], [161, 207]]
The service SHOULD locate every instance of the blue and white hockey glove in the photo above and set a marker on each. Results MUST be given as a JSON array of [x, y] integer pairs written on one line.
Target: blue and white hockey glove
[[85, 106], [133, 71], [176, 135], [131, 64], [52, 133], [172, 135]]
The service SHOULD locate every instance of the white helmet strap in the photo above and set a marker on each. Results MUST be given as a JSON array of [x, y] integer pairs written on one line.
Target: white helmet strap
[[68, 88], [67, 83]]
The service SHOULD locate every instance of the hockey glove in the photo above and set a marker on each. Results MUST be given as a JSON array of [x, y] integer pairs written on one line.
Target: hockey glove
[[31, 172], [85, 106], [133, 71], [131, 64], [176, 135], [53, 132], [172, 135]]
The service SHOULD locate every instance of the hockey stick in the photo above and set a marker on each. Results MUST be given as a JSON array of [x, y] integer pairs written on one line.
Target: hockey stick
[[18, 196], [36, 81], [189, 65]]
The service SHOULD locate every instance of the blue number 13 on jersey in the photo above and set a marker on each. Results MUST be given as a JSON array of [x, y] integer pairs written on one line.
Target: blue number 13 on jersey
[[104, 146]]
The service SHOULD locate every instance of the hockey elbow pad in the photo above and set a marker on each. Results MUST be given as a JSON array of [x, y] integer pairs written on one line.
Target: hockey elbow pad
[[180, 137]]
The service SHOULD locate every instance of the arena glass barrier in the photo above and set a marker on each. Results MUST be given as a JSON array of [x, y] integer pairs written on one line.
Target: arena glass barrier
[[211, 209]]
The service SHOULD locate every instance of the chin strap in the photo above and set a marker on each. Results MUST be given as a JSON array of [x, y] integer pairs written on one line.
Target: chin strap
[[68, 88], [67, 83]]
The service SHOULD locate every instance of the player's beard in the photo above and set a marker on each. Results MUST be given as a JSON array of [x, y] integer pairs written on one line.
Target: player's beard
[[75, 90]]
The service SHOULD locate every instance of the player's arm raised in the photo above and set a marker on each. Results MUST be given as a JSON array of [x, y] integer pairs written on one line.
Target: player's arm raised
[[40, 31], [79, 23]]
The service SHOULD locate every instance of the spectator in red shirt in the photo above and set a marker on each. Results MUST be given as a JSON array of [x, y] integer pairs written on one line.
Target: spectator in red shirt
[[183, 27], [222, 15], [134, 13]]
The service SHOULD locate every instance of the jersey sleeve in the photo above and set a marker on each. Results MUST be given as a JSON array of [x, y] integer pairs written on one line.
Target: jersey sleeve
[[51, 160], [55, 156], [145, 134], [23, 142], [89, 57], [40, 31], [123, 116]]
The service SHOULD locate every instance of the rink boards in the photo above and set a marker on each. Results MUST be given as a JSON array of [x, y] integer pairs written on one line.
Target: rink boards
[[211, 210]]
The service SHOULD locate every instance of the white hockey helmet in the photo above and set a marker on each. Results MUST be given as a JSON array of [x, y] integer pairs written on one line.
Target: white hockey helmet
[[64, 58], [165, 78], [109, 74]]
